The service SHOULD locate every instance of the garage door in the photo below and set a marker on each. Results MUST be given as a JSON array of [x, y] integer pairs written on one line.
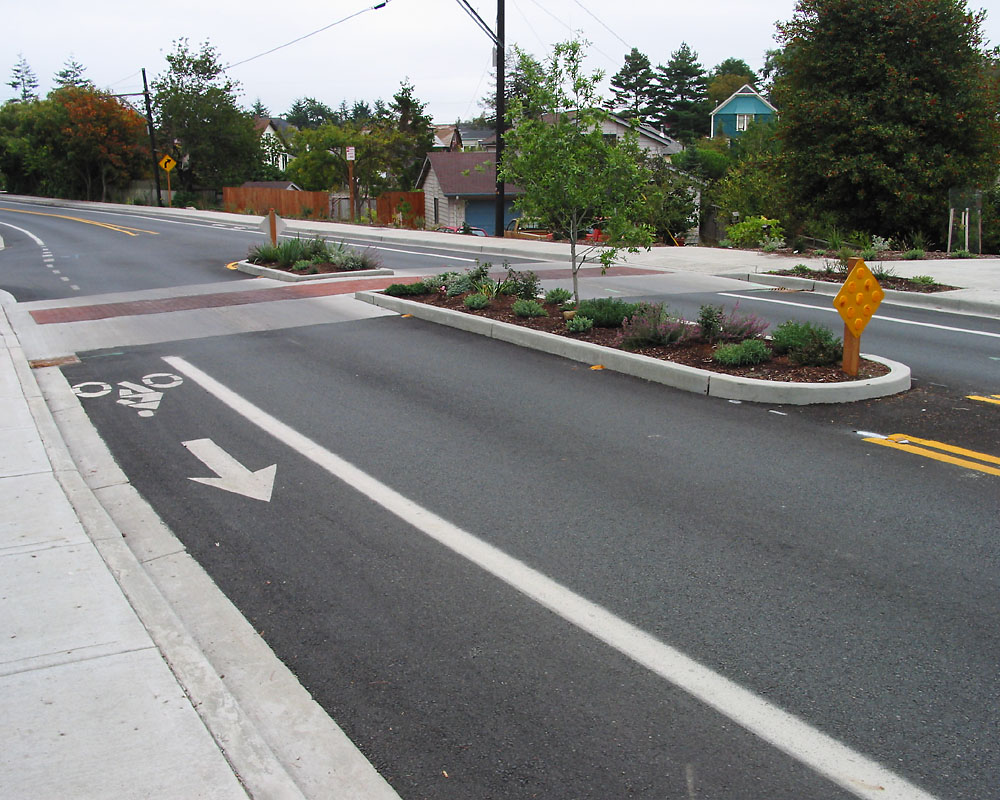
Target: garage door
[[482, 214]]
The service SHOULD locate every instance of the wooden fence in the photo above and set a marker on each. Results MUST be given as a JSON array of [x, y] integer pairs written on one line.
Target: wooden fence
[[312, 205], [401, 208]]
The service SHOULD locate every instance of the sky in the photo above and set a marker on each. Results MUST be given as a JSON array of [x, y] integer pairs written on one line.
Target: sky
[[364, 56]]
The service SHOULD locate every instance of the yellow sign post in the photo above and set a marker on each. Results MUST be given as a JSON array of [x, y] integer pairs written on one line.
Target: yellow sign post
[[856, 303], [167, 164]]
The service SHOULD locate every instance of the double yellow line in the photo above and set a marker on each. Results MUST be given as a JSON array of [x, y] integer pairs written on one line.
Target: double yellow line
[[939, 451], [993, 398], [117, 228]]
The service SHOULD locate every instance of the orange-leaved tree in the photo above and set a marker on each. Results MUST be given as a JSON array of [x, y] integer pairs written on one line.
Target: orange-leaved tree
[[106, 145]]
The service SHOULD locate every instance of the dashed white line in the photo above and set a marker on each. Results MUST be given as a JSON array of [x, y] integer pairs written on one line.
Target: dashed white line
[[852, 771]]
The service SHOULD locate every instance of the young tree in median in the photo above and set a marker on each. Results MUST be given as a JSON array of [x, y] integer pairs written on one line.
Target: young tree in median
[[200, 122], [570, 173], [884, 106]]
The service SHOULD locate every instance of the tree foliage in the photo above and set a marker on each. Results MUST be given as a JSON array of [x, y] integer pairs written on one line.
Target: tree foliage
[[681, 96], [633, 87], [72, 75], [23, 80], [308, 112], [200, 122], [885, 105], [78, 143], [570, 173]]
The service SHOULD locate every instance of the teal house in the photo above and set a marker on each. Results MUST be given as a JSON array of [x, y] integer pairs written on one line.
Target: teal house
[[731, 117]]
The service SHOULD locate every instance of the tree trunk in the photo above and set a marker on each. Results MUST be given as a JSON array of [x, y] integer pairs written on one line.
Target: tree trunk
[[575, 269]]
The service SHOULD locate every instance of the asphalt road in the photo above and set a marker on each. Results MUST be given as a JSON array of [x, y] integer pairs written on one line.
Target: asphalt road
[[846, 584]]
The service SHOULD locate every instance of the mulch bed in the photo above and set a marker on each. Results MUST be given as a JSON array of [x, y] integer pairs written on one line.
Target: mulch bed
[[886, 282], [693, 354]]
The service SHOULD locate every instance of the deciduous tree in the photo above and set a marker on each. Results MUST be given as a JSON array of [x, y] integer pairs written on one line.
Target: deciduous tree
[[571, 173], [200, 122]]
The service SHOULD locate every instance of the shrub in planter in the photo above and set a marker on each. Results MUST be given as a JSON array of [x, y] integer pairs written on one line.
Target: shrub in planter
[[652, 325], [752, 351], [579, 324], [528, 308], [407, 289], [807, 344], [557, 296], [607, 312], [476, 301]]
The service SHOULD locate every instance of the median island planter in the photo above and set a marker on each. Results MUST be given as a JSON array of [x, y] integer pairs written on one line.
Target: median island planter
[[686, 366]]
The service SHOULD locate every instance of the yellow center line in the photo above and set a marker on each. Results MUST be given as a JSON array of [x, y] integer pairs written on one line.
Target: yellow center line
[[108, 225], [908, 444], [991, 399]]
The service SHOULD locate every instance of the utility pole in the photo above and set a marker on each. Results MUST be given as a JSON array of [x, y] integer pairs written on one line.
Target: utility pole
[[152, 136], [501, 52]]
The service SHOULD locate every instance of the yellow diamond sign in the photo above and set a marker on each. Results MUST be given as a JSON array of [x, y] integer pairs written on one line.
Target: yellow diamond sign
[[860, 296], [167, 163]]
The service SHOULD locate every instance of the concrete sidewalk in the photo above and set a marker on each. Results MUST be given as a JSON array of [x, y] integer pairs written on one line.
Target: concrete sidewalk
[[91, 709]]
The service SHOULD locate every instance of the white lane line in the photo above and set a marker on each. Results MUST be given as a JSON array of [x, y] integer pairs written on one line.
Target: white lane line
[[29, 234], [877, 316], [849, 769]]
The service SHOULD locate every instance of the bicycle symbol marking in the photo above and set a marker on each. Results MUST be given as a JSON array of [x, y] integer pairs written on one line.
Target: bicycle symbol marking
[[144, 398]]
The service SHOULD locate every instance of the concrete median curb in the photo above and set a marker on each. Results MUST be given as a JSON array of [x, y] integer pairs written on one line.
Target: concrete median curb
[[678, 376], [281, 275]]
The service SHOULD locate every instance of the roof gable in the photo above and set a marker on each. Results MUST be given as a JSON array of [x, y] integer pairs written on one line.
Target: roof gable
[[745, 100]]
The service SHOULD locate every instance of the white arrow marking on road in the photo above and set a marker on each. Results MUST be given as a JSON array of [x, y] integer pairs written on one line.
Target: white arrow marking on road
[[233, 476]]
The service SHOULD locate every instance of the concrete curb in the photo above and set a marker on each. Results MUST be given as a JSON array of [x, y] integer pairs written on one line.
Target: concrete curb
[[678, 376], [937, 301], [281, 275]]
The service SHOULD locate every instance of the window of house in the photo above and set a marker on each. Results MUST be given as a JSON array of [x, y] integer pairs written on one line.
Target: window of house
[[610, 138], [742, 121], [437, 212]]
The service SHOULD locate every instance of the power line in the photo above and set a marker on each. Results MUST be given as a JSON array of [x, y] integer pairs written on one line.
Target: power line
[[601, 22], [306, 36], [468, 9]]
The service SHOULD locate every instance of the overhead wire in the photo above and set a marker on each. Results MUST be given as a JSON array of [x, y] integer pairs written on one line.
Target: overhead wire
[[602, 23], [306, 36]]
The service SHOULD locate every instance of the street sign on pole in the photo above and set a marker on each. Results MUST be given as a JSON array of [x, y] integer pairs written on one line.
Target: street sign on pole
[[167, 164], [350, 153]]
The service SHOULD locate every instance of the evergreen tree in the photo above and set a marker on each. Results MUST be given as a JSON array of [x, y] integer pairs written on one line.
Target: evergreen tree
[[633, 87], [521, 74], [23, 80], [258, 109], [884, 106], [308, 112], [408, 116], [72, 75], [681, 96]]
